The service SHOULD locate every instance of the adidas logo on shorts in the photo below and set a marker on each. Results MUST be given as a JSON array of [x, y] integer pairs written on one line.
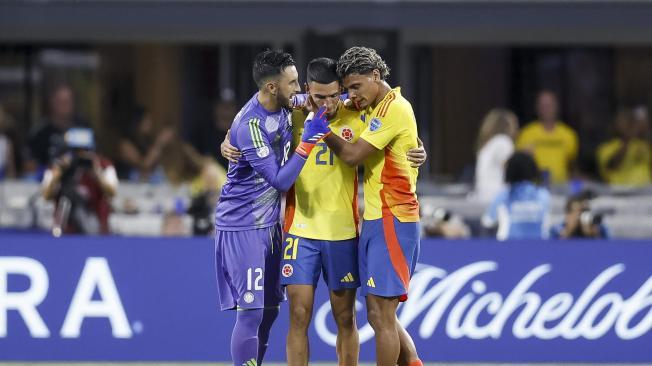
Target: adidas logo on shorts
[[251, 362], [371, 282], [348, 278]]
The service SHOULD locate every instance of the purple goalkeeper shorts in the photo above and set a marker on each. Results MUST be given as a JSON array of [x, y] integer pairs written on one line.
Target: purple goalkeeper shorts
[[247, 265]]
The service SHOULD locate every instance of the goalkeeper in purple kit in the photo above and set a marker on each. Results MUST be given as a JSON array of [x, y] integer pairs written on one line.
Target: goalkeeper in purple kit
[[247, 225]]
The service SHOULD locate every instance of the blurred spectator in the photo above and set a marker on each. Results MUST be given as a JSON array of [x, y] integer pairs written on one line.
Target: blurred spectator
[[205, 191], [626, 159], [140, 149], [580, 221], [553, 143], [522, 210], [46, 139], [7, 147], [81, 183], [495, 145], [443, 224], [173, 224], [209, 139]]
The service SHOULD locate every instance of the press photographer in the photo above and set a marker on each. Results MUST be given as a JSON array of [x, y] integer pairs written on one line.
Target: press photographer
[[580, 221], [81, 183]]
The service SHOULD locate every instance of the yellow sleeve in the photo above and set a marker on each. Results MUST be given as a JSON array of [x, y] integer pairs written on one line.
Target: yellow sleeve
[[382, 130]]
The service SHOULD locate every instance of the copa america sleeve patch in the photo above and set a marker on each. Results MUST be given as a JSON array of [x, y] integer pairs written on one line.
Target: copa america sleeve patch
[[262, 151], [375, 124]]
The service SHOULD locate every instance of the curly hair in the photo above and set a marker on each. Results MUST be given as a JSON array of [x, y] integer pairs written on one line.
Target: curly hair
[[361, 60]]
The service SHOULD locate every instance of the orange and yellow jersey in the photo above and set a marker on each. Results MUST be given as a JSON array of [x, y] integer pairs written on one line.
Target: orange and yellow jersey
[[323, 203], [389, 180]]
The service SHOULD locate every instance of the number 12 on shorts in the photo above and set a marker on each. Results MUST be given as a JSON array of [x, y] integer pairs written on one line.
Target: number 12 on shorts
[[293, 244], [256, 282]]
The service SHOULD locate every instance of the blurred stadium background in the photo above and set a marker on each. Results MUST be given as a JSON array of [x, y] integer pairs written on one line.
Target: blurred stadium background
[[184, 67]]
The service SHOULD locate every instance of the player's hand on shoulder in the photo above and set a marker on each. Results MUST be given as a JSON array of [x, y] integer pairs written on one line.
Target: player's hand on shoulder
[[228, 151]]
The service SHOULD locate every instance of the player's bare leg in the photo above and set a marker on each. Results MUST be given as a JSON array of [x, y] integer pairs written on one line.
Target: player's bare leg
[[302, 298], [381, 313], [348, 343], [408, 355]]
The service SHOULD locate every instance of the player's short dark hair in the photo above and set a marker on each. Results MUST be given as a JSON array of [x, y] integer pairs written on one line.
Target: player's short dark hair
[[521, 167], [322, 70], [361, 60], [270, 63]]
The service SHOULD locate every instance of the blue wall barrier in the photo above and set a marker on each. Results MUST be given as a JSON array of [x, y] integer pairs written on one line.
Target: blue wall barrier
[[111, 298]]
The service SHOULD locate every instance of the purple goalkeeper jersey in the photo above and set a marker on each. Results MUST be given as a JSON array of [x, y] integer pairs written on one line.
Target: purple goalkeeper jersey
[[248, 200]]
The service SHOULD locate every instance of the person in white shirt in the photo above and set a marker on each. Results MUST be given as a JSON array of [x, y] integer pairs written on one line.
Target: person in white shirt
[[495, 145]]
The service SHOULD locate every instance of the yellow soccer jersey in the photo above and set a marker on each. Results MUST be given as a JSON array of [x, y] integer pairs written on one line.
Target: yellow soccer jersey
[[553, 150], [323, 203], [635, 167], [389, 180]]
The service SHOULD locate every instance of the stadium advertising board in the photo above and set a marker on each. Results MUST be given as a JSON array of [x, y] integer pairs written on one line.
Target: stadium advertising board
[[155, 299]]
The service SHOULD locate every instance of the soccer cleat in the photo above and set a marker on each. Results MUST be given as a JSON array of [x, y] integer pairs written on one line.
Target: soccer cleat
[[252, 362]]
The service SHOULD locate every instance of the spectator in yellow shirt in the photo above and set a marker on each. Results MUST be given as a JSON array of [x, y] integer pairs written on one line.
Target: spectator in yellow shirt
[[553, 143], [625, 159]]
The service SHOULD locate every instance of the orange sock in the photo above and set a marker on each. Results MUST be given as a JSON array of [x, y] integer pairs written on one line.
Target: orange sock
[[416, 362]]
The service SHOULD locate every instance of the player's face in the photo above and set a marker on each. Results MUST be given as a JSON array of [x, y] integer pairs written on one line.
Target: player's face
[[362, 88], [288, 86], [325, 95]]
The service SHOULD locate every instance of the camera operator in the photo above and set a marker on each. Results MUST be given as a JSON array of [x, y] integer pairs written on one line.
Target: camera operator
[[81, 183], [579, 221]]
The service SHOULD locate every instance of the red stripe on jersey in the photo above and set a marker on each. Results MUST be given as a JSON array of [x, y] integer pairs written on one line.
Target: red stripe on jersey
[[396, 255], [380, 106], [290, 206], [390, 99]]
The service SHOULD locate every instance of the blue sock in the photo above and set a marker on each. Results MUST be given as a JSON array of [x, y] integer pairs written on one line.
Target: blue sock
[[269, 315], [244, 339]]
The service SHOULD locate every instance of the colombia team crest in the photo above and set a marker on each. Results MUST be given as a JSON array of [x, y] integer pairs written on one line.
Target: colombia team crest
[[347, 133], [287, 270]]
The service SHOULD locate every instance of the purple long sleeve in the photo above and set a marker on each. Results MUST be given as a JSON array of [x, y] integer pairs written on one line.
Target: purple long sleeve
[[280, 178]]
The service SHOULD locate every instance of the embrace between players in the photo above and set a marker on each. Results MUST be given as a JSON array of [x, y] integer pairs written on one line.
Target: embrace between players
[[256, 258]]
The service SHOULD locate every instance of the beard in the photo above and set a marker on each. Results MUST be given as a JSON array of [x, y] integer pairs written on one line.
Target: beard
[[284, 101]]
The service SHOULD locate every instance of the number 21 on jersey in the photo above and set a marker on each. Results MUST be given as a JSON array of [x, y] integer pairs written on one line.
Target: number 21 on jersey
[[324, 160]]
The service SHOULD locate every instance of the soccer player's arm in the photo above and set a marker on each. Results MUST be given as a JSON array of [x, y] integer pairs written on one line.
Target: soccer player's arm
[[368, 143], [257, 150]]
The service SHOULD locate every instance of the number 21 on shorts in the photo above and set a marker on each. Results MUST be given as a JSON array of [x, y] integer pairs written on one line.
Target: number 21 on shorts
[[290, 251]]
